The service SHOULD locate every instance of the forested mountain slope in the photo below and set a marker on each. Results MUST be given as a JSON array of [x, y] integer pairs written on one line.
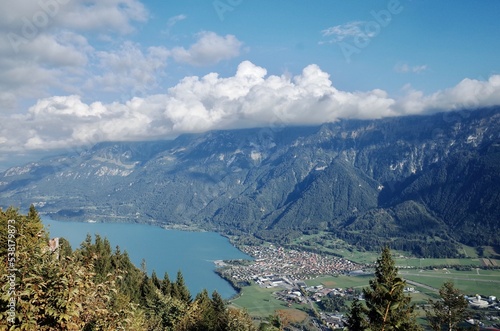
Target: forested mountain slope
[[423, 182]]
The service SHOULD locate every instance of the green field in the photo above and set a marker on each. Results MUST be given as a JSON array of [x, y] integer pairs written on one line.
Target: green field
[[320, 243], [402, 260], [415, 262], [258, 301], [340, 281], [484, 282]]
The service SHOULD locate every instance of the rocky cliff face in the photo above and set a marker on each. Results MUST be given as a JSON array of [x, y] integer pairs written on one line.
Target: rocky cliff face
[[434, 176]]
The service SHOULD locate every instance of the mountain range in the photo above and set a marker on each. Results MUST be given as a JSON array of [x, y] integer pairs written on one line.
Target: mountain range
[[426, 183]]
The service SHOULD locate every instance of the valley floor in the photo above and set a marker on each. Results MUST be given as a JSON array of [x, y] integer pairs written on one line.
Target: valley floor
[[297, 283]]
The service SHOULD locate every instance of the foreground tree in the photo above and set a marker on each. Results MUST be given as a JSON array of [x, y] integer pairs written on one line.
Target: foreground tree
[[50, 290], [356, 317], [387, 307], [93, 288], [449, 311]]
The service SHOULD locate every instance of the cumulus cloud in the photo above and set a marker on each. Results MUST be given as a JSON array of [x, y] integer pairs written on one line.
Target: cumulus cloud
[[48, 50], [210, 48], [249, 98], [469, 93]]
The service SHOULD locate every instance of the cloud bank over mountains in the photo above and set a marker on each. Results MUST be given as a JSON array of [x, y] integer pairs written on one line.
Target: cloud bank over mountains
[[249, 98]]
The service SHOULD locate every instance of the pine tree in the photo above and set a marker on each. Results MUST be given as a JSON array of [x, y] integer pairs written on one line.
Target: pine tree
[[180, 290], [449, 311], [356, 318], [220, 312], [239, 320], [64, 248], [56, 294], [166, 285], [387, 307], [93, 289], [156, 281], [206, 319]]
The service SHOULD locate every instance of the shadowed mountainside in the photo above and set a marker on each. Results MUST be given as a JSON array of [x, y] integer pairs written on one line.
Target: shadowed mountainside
[[423, 182]]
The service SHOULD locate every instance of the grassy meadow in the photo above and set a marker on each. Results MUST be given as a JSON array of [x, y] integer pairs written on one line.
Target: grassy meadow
[[258, 301], [483, 282]]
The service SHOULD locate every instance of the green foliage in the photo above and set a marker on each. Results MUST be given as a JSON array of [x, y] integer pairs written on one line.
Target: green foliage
[[94, 288], [333, 303], [180, 290], [387, 307], [448, 312], [55, 291], [356, 317]]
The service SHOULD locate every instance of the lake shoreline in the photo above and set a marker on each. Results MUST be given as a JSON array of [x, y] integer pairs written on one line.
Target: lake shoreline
[[204, 248]]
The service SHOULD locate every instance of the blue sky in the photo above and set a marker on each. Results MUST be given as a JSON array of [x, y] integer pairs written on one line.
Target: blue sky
[[452, 40], [76, 72]]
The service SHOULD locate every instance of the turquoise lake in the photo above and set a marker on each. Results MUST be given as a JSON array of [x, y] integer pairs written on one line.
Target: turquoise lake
[[193, 253]]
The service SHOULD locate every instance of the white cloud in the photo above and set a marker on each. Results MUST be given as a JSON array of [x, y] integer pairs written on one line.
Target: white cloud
[[469, 93], [44, 51], [65, 63], [209, 49], [129, 68], [249, 98], [404, 68], [27, 18], [48, 62], [103, 15], [175, 19], [350, 30]]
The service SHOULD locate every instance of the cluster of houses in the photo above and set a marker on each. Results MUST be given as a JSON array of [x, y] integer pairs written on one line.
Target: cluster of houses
[[301, 293], [272, 260]]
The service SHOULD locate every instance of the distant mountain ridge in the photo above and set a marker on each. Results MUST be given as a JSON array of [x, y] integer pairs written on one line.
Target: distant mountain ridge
[[422, 182]]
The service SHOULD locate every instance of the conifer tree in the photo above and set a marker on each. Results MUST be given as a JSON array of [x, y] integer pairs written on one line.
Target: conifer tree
[[387, 307], [220, 312], [166, 285], [51, 293], [180, 290], [449, 311], [217, 301], [64, 248], [93, 289], [356, 318], [155, 280], [147, 291], [206, 319]]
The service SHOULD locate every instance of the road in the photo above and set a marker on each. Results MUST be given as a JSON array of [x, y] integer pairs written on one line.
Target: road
[[422, 285]]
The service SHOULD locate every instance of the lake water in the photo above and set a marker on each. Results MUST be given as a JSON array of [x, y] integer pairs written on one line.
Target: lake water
[[193, 253]]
